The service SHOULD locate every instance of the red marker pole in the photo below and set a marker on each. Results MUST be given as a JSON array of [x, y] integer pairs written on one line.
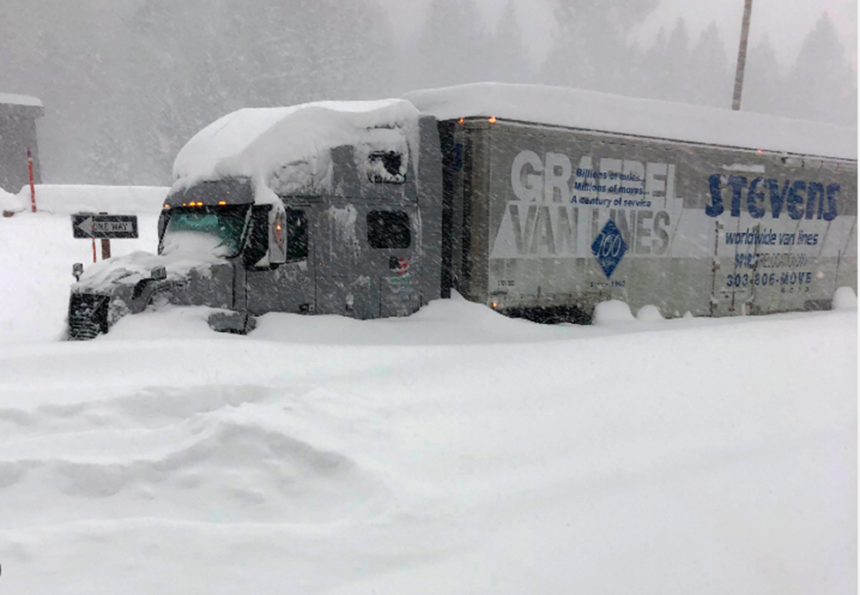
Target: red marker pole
[[32, 186]]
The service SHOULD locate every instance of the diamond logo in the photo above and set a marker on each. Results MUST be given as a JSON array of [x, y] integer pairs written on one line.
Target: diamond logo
[[609, 248]]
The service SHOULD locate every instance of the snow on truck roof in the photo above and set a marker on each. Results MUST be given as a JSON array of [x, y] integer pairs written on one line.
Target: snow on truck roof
[[591, 110], [289, 145], [286, 149], [26, 100]]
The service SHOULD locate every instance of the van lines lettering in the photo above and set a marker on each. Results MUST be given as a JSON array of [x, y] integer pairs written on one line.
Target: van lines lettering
[[769, 237], [800, 199], [539, 230], [605, 182]]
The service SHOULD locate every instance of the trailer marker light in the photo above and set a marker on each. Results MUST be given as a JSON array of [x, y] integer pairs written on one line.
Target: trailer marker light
[[495, 305], [492, 120], [222, 202], [199, 204], [462, 120], [759, 151], [166, 206]]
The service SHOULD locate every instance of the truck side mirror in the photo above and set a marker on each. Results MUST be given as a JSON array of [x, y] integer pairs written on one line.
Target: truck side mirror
[[277, 234], [77, 270], [163, 218]]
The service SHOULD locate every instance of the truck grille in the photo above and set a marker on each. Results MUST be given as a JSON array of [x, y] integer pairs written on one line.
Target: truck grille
[[88, 316]]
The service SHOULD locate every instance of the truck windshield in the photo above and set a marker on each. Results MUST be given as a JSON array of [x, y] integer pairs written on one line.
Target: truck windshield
[[215, 231]]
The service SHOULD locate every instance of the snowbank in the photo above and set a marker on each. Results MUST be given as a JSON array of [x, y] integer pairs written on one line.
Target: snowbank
[[591, 110], [649, 313], [287, 149], [618, 464], [117, 200], [844, 299], [9, 203], [36, 256], [612, 312]]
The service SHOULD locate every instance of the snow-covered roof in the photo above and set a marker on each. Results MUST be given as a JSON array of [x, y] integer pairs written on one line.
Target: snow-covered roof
[[290, 145], [592, 110], [26, 100]]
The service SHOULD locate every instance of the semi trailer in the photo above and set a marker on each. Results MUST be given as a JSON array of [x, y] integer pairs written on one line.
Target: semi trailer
[[537, 202]]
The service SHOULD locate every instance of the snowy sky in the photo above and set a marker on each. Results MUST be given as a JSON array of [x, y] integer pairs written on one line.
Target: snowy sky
[[786, 22]]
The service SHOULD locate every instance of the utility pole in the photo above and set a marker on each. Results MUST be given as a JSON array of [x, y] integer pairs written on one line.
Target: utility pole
[[742, 56]]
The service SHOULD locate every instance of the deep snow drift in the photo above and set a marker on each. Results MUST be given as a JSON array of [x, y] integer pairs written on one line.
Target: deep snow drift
[[454, 451]]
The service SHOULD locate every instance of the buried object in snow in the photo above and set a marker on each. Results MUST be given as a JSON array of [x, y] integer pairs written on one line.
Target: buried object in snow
[[538, 202]]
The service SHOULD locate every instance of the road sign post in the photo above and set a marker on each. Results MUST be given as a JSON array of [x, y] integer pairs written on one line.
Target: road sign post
[[104, 227], [105, 244], [32, 185]]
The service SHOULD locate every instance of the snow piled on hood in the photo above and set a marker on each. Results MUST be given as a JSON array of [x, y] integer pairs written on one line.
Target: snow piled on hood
[[290, 145], [138, 265], [592, 110]]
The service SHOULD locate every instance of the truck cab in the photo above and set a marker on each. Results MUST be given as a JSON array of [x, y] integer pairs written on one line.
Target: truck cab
[[352, 229]]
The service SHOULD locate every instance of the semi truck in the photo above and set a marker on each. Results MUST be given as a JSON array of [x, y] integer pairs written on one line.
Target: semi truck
[[538, 202]]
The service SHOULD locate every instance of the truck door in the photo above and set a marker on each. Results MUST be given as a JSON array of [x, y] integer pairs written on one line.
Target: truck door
[[344, 283], [392, 235], [290, 286]]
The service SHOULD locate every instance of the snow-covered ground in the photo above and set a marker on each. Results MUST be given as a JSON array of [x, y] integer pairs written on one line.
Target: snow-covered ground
[[455, 451]]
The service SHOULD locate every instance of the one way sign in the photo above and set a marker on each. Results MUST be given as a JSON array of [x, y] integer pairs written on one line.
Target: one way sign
[[106, 227]]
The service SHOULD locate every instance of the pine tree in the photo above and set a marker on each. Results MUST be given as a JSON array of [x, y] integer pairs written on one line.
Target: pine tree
[[508, 58], [708, 74], [822, 86], [677, 63], [763, 80], [452, 49], [590, 46], [651, 70]]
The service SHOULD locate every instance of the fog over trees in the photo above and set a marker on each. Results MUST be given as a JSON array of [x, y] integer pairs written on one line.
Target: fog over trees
[[125, 83]]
